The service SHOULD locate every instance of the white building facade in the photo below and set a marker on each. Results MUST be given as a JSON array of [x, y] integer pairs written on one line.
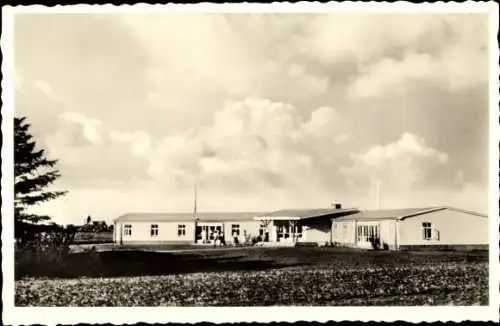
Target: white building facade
[[396, 229], [412, 229]]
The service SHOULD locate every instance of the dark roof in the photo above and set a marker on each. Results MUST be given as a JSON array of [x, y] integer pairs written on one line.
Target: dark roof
[[400, 213], [305, 213], [202, 216]]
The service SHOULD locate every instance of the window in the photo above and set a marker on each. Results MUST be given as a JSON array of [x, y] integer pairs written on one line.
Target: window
[[263, 233], [279, 231], [298, 231], [427, 231], [154, 230], [198, 232], [286, 230], [181, 230], [235, 230], [262, 230], [365, 233], [127, 230]]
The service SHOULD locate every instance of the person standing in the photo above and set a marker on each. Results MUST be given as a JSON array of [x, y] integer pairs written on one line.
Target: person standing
[[235, 239], [216, 239], [203, 235], [222, 239]]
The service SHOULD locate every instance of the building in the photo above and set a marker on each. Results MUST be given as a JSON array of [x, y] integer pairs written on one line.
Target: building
[[187, 228], [287, 227], [394, 229], [412, 228]]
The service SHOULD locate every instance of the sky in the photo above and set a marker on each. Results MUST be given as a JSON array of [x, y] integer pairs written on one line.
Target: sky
[[261, 111]]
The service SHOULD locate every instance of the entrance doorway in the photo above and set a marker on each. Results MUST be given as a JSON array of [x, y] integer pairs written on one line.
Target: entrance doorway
[[366, 234], [207, 233], [288, 231]]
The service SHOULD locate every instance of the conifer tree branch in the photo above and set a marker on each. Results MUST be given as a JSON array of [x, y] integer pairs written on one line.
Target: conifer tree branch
[[31, 173]]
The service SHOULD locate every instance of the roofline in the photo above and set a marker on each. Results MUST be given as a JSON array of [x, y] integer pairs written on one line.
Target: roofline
[[424, 211], [282, 218], [297, 218], [188, 221], [441, 208], [188, 217], [466, 211], [278, 218], [352, 218], [417, 213]]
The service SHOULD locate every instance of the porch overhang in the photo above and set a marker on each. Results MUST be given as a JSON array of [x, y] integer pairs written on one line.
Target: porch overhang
[[306, 215], [279, 218]]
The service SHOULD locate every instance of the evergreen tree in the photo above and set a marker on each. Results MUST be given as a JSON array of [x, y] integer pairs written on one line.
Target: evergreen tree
[[33, 173]]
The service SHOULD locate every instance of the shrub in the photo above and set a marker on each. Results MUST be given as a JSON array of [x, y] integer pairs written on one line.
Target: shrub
[[45, 251]]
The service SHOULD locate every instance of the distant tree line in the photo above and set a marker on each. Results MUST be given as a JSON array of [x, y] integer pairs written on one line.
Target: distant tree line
[[93, 226]]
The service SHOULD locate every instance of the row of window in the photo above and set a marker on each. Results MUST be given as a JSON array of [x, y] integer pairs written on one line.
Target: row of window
[[285, 231], [365, 233], [181, 230]]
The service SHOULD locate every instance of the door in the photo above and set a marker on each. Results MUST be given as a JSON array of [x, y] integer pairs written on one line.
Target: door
[[279, 232], [366, 234]]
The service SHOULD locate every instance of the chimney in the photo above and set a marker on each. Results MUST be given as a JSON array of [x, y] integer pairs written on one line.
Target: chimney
[[336, 206]]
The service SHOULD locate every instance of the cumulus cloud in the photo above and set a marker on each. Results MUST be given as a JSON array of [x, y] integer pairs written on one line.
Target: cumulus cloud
[[139, 140], [91, 128], [390, 76], [402, 165], [251, 143], [458, 61], [258, 101], [90, 152]]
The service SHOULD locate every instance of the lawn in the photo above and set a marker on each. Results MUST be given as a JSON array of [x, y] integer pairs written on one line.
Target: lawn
[[258, 276]]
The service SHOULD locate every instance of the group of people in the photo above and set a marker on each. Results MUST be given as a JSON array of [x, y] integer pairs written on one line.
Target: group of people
[[218, 238]]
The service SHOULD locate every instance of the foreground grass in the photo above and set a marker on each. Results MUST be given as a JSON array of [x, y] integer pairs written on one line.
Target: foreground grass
[[447, 284], [291, 277]]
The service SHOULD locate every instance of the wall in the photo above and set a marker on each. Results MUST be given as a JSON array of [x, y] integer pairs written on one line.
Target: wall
[[388, 234], [167, 232], [316, 230], [343, 232], [251, 227], [455, 228]]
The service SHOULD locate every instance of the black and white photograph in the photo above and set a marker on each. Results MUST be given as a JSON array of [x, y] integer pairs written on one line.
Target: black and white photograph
[[291, 156]]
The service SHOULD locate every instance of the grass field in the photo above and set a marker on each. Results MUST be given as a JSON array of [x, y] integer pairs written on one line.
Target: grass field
[[258, 276]]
